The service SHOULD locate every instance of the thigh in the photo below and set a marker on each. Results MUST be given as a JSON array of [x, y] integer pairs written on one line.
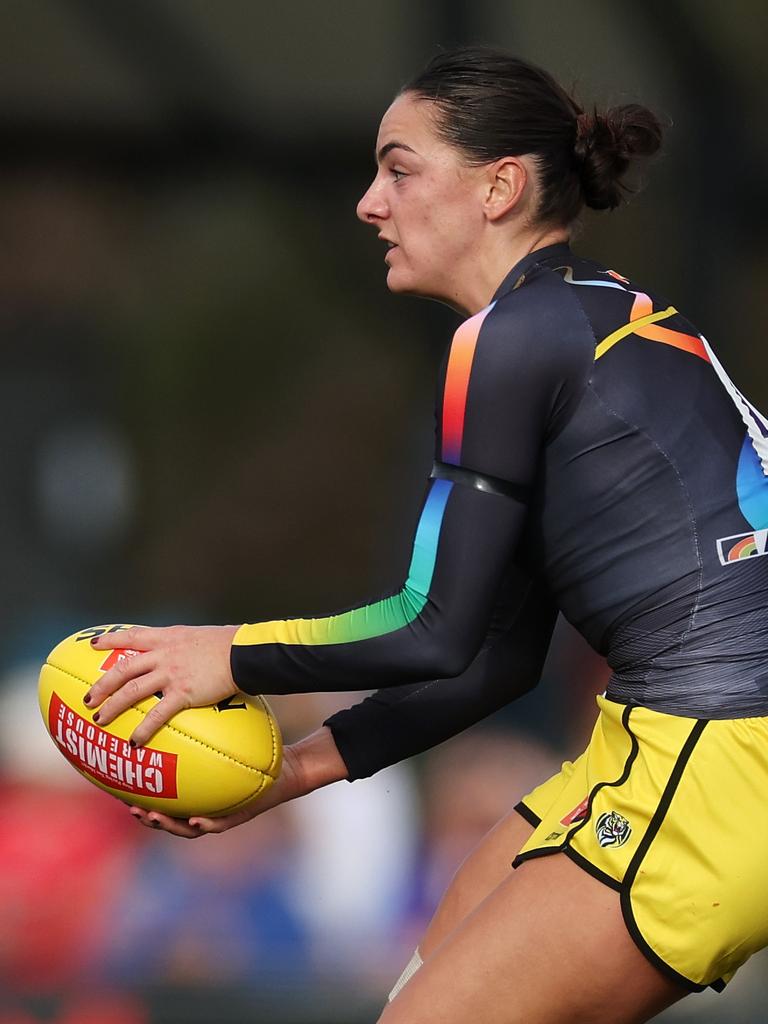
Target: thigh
[[547, 946], [491, 860], [479, 874]]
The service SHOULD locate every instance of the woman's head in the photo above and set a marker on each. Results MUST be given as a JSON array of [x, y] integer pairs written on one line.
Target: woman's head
[[488, 104], [497, 149]]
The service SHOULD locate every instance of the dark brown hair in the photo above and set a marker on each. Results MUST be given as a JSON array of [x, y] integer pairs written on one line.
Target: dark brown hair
[[490, 105]]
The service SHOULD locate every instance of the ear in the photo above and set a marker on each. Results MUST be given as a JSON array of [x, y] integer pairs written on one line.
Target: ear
[[506, 183]]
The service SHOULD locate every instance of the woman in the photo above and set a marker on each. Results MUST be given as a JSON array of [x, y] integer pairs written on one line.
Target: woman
[[593, 457]]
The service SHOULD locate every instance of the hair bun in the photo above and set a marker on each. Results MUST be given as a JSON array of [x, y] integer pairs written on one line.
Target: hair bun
[[606, 145]]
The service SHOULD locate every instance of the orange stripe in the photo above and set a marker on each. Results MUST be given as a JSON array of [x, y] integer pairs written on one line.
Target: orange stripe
[[677, 339], [457, 385], [642, 306]]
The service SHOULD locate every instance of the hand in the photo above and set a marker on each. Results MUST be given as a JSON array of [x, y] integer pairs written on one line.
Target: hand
[[291, 783], [307, 765], [188, 665]]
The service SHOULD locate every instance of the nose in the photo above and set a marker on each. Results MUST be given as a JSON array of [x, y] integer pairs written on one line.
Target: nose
[[372, 207]]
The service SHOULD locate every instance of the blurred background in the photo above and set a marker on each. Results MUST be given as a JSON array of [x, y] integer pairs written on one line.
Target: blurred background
[[213, 411]]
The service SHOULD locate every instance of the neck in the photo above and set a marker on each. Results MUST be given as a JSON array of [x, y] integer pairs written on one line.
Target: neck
[[487, 272]]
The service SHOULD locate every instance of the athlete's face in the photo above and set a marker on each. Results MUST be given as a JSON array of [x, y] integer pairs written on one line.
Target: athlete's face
[[426, 204]]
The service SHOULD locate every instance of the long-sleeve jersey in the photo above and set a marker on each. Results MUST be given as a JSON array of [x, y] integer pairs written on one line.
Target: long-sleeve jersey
[[592, 456]]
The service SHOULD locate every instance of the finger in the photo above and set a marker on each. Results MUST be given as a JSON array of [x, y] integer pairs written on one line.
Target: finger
[[142, 818], [126, 669], [156, 718], [133, 692], [140, 815], [174, 826], [140, 638], [213, 825], [155, 820]]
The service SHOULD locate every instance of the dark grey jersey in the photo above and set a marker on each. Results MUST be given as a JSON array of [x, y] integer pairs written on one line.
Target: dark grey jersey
[[592, 456]]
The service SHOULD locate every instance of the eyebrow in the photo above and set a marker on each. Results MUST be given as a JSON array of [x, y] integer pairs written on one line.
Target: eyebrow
[[390, 146]]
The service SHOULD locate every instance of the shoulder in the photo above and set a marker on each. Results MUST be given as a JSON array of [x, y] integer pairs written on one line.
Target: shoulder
[[538, 328]]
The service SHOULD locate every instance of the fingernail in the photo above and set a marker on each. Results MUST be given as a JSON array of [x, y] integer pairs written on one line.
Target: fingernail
[[96, 716], [154, 823], [94, 641], [87, 699], [131, 743], [136, 815], [196, 824]]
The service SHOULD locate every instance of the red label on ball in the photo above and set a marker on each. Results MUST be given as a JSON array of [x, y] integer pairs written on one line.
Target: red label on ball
[[119, 654], [108, 759]]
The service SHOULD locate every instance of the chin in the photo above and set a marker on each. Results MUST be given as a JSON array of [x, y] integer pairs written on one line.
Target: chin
[[401, 283]]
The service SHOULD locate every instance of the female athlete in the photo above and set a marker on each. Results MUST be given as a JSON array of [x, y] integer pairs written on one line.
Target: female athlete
[[592, 457]]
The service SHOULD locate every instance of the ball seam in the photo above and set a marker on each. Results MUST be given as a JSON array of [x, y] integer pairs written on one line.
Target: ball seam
[[268, 712]]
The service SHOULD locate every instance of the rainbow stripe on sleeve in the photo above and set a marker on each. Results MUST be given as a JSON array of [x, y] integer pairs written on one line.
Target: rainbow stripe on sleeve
[[393, 613], [371, 620], [457, 376]]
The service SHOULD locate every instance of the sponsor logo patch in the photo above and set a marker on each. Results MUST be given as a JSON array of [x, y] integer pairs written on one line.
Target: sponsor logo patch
[[612, 829], [578, 813], [741, 546], [109, 760]]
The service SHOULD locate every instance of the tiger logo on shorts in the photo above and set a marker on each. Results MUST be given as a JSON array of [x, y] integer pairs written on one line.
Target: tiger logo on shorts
[[612, 829]]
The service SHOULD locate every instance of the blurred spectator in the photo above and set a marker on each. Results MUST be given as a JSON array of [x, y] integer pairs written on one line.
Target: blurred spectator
[[355, 858], [470, 783], [64, 849], [211, 910], [318, 885]]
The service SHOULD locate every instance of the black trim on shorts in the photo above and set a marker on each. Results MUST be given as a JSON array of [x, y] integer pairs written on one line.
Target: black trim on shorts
[[590, 868], [631, 756], [564, 847], [582, 862], [525, 812], [540, 851], [634, 865]]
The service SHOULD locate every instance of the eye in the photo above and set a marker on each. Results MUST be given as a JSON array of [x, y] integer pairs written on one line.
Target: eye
[[398, 175]]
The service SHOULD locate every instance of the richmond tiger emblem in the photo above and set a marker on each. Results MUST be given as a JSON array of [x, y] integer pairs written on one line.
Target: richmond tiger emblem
[[612, 829]]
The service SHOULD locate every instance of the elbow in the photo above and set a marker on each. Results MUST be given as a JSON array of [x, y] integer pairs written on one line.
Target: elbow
[[445, 656]]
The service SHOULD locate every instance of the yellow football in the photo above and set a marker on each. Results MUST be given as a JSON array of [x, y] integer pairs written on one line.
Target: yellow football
[[207, 761]]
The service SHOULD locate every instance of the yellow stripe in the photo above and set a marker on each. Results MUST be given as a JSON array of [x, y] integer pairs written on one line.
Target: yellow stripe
[[630, 328]]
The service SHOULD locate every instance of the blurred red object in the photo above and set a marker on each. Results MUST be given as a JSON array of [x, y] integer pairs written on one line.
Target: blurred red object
[[63, 855], [103, 1008]]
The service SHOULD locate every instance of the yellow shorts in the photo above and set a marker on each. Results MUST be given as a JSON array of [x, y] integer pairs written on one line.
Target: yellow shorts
[[673, 814]]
